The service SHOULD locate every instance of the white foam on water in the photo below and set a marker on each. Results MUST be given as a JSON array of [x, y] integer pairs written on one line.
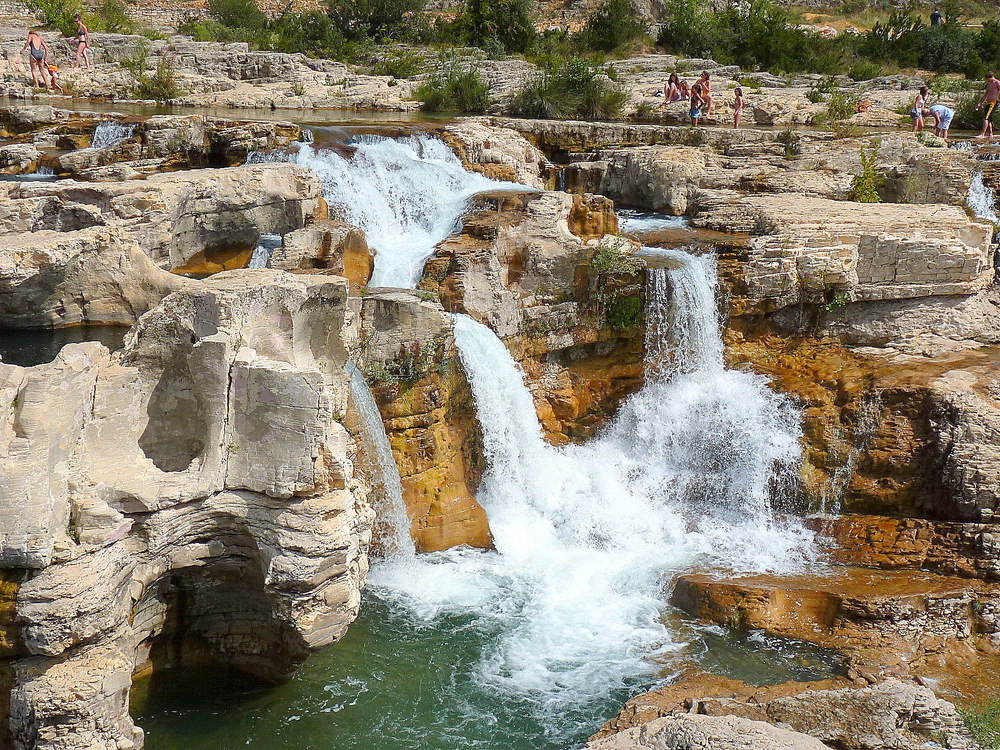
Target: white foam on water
[[587, 537], [266, 245], [110, 133], [640, 222], [398, 542], [981, 199], [406, 194]]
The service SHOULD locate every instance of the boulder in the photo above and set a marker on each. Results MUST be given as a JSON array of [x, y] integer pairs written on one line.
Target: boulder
[[332, 245], [498, 153], [696, 732]]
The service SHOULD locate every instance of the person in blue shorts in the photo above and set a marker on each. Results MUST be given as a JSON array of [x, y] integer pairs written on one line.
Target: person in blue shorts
[[942, 119], [697, 102]]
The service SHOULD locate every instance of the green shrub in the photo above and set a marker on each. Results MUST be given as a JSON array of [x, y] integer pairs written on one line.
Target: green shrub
[[243, 14], [966, 114], [459, 89], [688, 28], [398, 64], [113, 17], [374, 19], [625, 313], [864, 187], [615, 256], [57, 13], [160, 85], [497, 24], [570, 89], [613, 26], [983, 723], [865, 70]]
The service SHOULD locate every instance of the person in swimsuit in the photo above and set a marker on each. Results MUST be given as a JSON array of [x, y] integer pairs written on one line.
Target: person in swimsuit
[[918, 108], [706, 91], [942, 119], [38, 52], [672, 91], [990, 99], [697, 102], [82, 42], [738, 104]]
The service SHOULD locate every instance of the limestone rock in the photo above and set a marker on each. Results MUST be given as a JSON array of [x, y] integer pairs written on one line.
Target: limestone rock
[[18, 158], [332, 245], [94, 275], [695, 732], [499, 153]]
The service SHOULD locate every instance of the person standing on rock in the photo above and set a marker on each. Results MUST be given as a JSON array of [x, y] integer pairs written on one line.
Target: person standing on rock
[[942, 119], [990, 98], [705, 80], [82, 42], [697, 103], [738, 104], [917, 110], [38, 52]]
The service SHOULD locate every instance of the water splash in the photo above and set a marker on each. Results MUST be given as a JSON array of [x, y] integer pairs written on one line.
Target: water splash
[[110, 133], [641, 222], [397, 540], [266, 245], [981, 200], [407, 195], [587, 536]]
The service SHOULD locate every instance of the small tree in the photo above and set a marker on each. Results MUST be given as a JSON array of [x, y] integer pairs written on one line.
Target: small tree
[[375, 19], [864, 188], [508, 24], [614, 25], [237, 14]]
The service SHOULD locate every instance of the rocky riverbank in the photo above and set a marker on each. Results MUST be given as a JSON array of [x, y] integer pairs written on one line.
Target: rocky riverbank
[[205, 498]]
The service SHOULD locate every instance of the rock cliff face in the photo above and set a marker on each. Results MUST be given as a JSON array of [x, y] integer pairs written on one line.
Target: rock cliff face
[[522, 264], [197, 503]]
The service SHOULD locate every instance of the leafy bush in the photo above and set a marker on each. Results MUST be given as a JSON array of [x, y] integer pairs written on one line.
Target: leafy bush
[[613, 26], [459, 88], [160, 85], [57, 13], [507, 25], [571, 89], [357, 19], [113, 17], [398, 64], [864, 187], [243, 14], [865, 70]]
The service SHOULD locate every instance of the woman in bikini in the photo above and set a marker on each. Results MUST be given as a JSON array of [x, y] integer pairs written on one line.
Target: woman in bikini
[[672, 91], [82, 42], [38, 52]]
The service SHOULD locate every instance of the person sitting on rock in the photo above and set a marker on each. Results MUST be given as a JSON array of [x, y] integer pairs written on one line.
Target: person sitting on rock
[[942, 119], [38, 52], [672, 91], [683, 90], [917, 110], [54, 77], [738, 104], [697, 103]]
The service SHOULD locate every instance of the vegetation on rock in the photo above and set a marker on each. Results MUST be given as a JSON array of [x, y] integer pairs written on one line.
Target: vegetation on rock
[[864, 187], [458, 88], [570, 89], [613, 26]]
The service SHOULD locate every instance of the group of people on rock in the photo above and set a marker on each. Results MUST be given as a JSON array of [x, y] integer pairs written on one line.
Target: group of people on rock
[[45, 73], [699, 97], [943, 115]]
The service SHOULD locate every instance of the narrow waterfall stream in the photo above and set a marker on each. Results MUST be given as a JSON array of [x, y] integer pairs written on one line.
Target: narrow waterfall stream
[[110, 133], [981, 200], [395, 534]]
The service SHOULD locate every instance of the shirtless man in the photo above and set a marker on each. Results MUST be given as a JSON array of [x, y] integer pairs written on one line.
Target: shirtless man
[[990, 99], [38, 52]]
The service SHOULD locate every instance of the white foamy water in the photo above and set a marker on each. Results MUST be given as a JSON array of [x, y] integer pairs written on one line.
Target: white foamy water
[[111, 133], [407, 195], [640, 222], [266, 245], [397, 541], [982, 200], [587, 537]]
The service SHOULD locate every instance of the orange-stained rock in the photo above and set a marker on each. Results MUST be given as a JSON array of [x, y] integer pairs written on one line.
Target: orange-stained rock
[[207, 262], [331, 245], [409, 358]]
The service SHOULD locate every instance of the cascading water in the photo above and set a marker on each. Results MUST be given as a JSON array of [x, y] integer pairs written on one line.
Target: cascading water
[[586, 536], [110, 133], [641, 222], [982, 200], [407, 195], [397, 542], [266, 245]]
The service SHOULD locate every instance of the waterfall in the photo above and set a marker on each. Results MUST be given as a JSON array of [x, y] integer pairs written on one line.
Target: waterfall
[[981, 200], [407, 195], [587, 536], [641, 222], [110, 133], [266, 245], [398, 541]]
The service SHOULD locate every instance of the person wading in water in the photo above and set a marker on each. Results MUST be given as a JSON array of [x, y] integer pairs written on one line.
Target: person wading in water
[[38, 52]]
